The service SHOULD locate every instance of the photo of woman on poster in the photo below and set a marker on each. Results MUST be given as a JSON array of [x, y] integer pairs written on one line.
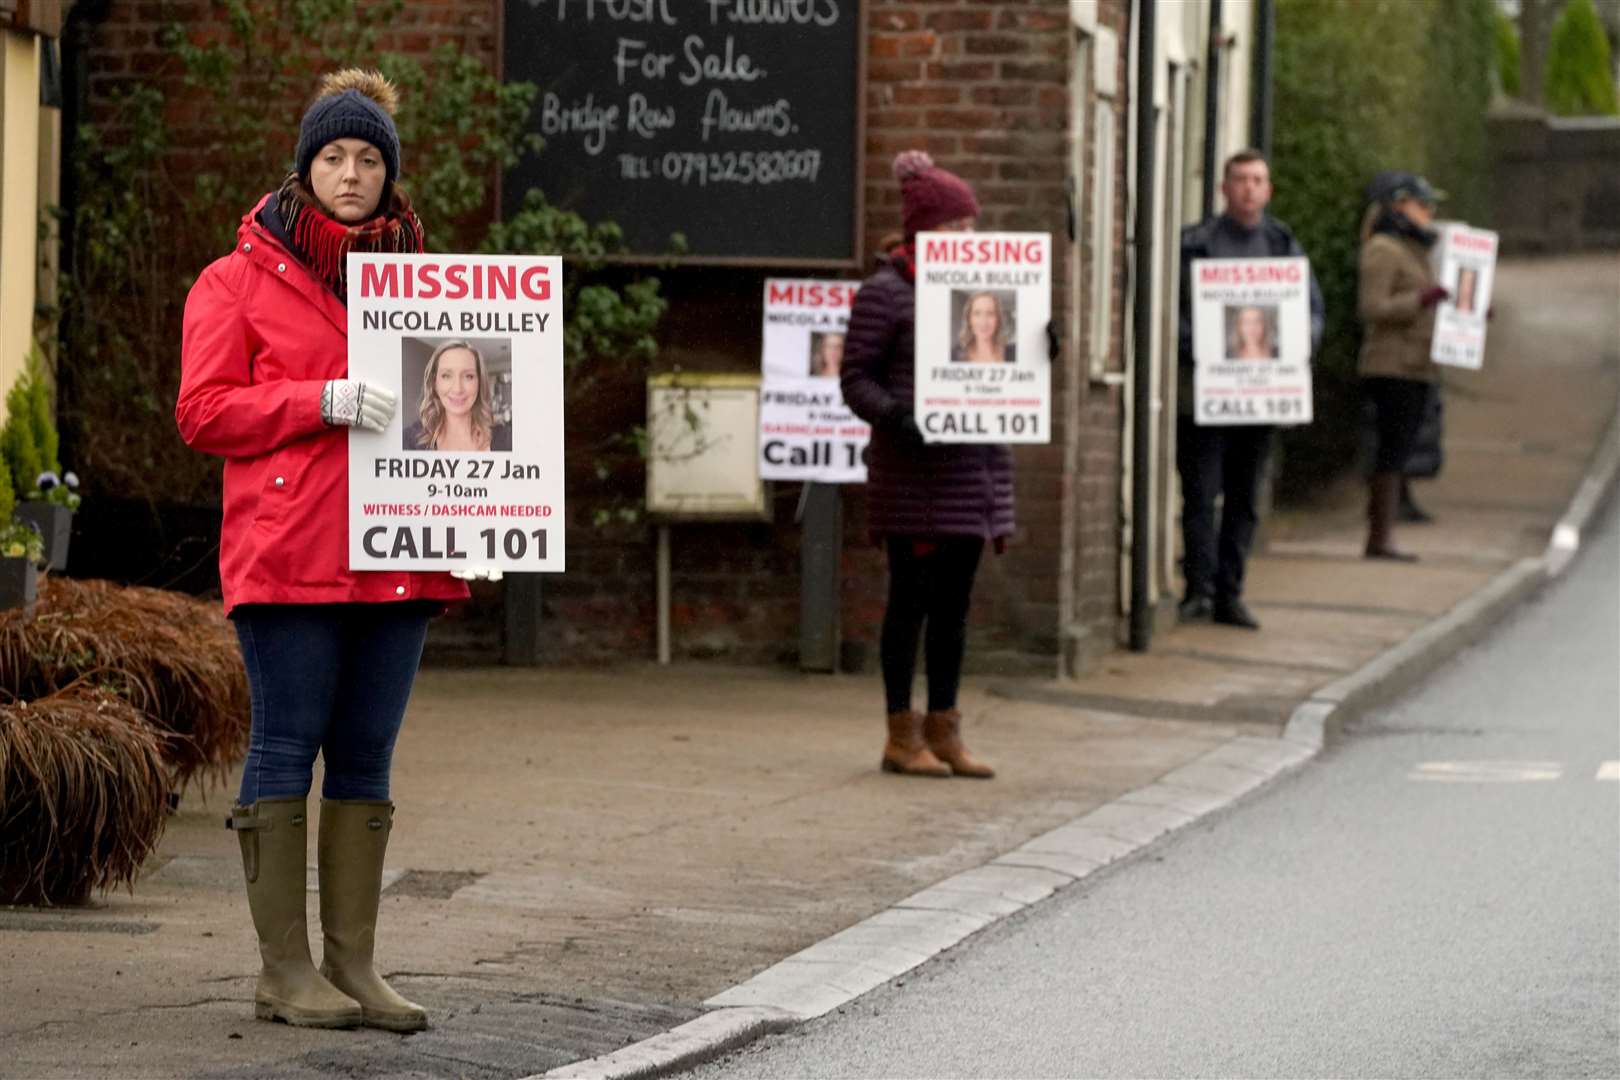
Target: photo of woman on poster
[[985, 329], [826, 354], [1467, 288], [457, 410], [1251, 332]]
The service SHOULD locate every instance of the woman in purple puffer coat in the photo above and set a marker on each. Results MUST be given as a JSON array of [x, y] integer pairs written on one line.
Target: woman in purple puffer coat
[[933, 507]]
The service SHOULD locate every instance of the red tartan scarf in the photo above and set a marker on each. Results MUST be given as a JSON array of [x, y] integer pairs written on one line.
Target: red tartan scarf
[[324, 243]]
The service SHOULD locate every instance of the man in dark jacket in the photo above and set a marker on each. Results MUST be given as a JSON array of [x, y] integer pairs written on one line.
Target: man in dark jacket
[[1221, 460]]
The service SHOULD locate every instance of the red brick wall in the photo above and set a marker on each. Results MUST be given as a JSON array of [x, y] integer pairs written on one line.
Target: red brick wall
[[983, 85]]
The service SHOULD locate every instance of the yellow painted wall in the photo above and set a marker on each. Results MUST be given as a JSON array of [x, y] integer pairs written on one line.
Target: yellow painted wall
[[19, 199]]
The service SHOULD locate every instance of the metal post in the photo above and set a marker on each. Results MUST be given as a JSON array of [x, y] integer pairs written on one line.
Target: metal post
[[663, 594], [1147, 36], [1265, 33], [820, 558], [1212, 107], [522, 611]]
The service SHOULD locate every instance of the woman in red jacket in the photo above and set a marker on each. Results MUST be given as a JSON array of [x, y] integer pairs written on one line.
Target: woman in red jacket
[[331, 653]]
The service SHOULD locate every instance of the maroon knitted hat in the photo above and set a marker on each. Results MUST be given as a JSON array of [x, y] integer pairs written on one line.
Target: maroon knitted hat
[[929, 195]]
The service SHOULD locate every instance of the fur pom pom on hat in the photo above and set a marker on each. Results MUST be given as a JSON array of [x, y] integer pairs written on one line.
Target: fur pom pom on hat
[[929, 195], [351, 104]]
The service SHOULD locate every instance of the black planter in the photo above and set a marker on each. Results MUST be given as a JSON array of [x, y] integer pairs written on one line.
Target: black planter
[[19, 582], [55, 524]]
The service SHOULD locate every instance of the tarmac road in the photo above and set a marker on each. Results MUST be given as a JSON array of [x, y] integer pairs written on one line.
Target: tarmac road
[[1439, 895]]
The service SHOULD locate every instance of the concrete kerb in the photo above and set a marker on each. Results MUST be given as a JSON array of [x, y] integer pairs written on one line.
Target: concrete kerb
[[693, 1043], [862, 957]]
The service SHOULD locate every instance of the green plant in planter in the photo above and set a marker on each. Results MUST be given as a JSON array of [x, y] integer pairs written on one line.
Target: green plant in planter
[[29, 441], [28, 445], [18, 539]]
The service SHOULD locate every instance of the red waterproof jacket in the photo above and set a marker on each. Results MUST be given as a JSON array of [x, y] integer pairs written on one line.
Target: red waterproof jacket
[[262, 336]]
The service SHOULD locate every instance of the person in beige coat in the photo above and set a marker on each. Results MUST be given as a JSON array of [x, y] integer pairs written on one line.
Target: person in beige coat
[[1396, 302]]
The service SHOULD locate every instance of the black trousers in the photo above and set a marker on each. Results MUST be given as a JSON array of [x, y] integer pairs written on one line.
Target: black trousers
[[1398, 406], [930, 581], [1226, 462]]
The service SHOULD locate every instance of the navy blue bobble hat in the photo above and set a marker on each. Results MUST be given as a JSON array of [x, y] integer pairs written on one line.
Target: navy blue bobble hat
[[352, 104]]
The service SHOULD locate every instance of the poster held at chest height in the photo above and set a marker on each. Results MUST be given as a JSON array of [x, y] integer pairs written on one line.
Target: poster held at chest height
[[806, 432], [982, 370], [1465, 263], [469, 473], [1252, 341]]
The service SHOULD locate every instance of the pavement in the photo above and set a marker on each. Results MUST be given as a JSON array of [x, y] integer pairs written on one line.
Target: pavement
[[619, 872]]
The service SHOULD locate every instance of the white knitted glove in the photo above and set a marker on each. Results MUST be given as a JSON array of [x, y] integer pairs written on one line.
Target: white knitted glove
[[352, 403], [477, 573]]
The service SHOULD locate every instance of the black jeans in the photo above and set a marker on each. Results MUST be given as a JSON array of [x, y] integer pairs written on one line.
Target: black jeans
[[932, 585], [1398, 406], [1227, 462], [332, 679]]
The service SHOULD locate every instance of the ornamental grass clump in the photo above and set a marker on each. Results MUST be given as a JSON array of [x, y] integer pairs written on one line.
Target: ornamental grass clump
[[84, 794], [173, 658]]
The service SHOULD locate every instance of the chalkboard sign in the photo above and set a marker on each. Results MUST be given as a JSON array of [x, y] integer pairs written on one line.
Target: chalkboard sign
[[733, 122]]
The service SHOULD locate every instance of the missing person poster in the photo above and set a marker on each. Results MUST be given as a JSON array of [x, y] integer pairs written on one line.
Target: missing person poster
[[1252, 341], [982, 370], [1466, 265], [469, 474], [806, 432]]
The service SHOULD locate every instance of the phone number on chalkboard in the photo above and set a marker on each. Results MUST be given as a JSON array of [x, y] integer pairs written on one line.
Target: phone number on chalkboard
[[727, 167]]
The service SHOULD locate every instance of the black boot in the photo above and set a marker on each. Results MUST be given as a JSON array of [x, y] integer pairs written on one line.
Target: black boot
[[1409, 512], [1382, 503]]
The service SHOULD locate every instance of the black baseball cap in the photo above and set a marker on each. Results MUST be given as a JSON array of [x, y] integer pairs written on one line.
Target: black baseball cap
[[1393, 186]]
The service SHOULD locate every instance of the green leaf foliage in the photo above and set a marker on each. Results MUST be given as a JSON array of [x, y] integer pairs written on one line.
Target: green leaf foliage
[[1362, 86], [1507, 54], [28, 442], [1580, 69], [8, 493]]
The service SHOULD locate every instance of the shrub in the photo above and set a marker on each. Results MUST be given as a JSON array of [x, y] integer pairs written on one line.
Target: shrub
[[83, 795], [1507, 54], [172, 657], [1580, 72], [28, 442], [18, 539]]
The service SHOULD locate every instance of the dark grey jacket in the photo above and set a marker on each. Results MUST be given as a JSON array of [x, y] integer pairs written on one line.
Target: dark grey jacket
[[1222, 238], [917, 491]]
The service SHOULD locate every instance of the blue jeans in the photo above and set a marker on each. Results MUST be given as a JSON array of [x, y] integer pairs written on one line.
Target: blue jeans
[[330, 679]]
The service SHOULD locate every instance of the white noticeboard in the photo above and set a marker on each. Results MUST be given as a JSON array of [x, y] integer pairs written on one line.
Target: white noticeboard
[[1251, 341], [1465, 263], [982, 370], [806, 431], [703, 447], [470, 471]]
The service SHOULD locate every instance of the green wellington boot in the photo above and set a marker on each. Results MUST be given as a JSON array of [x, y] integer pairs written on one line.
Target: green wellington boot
[[274, 843], [353, 840]]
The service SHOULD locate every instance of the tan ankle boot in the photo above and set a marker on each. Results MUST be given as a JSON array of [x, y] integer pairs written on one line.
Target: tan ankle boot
[[905, 752], [274, 843], [354, 838], [943, 732]]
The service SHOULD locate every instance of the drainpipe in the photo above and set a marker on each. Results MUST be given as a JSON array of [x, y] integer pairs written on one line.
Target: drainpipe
[[1147, 36], [1265, 32], [1212, 106]]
